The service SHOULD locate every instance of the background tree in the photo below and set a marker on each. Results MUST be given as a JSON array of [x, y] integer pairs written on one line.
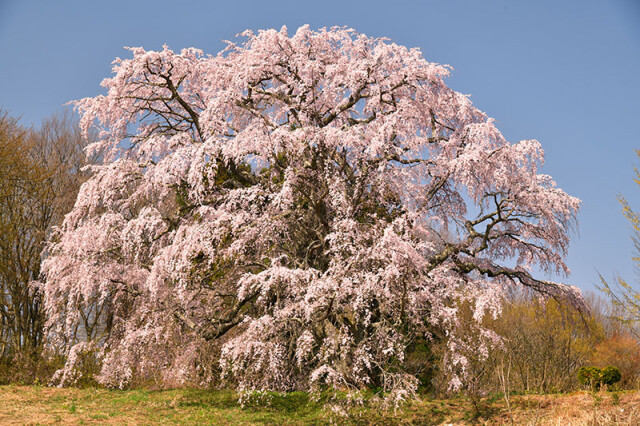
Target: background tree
[[622, 351], [539, 344], [622, 293], [16, 316], [306, 208], [39, 178], [545, 343]]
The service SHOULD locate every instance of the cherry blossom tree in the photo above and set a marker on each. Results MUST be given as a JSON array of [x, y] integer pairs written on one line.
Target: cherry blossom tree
[[293, 212]]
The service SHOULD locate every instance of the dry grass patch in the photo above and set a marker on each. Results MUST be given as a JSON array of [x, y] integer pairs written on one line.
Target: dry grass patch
[[580, 408]]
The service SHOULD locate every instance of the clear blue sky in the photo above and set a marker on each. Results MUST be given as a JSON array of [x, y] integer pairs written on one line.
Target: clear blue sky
[[563, 72]]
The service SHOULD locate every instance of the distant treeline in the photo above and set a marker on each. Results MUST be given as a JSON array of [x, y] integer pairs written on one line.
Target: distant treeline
[[40, 174]]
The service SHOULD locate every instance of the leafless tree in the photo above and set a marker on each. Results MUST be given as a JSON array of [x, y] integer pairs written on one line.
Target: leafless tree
[[40, 174]]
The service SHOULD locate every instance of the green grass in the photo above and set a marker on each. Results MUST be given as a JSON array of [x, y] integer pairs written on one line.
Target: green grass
[[42, 405]]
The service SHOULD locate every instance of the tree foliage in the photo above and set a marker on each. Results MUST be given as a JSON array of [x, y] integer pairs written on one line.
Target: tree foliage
[[295, 211]]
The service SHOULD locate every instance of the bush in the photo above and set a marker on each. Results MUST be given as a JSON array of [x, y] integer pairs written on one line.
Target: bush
[[589, 376], [28, 368], [594, 377], [610, 375]]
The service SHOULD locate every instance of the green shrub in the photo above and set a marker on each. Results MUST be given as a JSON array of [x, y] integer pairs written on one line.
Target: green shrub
[[610, 375], [589, 376], [594, 377]]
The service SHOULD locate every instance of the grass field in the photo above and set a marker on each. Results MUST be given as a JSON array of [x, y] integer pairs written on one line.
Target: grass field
[[42, 405]]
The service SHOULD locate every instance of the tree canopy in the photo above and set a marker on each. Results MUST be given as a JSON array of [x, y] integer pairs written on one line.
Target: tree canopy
[[292, 213]]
